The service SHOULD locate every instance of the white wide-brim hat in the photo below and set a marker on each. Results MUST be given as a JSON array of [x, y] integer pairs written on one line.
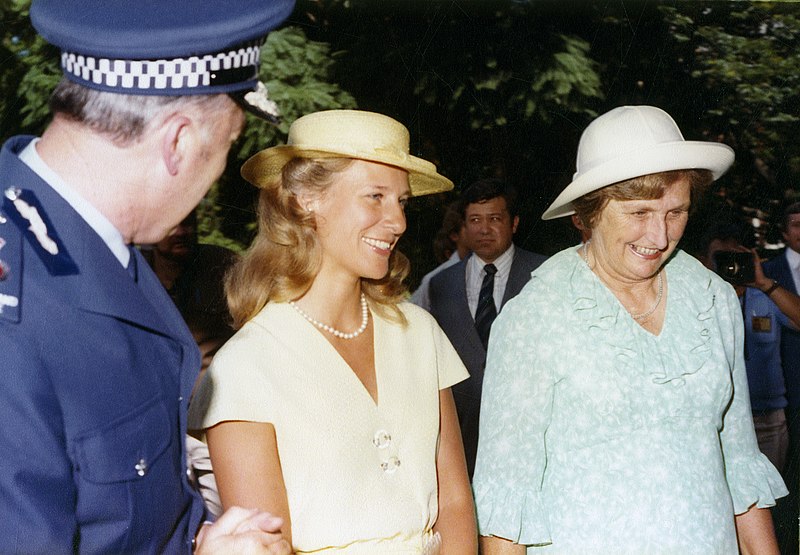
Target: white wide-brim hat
[[347, 134], [631, 141]]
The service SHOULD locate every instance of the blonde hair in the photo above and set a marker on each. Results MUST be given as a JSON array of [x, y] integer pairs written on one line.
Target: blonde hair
[[646, 187], [285, 257]]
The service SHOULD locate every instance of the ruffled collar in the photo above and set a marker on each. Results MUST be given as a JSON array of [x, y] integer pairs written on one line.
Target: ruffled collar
[[690, 302]]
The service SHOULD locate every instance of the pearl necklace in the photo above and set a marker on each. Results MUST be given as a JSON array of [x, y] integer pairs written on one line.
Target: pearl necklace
[[331, 329], [660, 293]]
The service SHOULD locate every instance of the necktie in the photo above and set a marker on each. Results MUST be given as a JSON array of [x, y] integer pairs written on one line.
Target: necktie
[[486, 311], [132, 265]]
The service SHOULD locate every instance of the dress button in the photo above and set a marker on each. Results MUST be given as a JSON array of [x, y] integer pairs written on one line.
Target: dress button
[[382, 439], [391, 466], [141, 467]]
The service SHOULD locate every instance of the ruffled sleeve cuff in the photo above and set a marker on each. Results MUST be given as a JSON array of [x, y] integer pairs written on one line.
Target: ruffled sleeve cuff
[[515, 515], [754, 481]]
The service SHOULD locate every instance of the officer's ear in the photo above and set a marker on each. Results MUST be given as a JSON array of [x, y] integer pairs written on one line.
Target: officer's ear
[[175, 139]]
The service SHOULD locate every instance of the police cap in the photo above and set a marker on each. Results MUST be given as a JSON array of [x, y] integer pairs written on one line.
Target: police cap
[[155, 47]]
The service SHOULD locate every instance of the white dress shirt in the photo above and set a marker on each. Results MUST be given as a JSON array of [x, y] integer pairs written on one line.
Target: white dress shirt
[[422, 297], [793, 259], [475, 274]]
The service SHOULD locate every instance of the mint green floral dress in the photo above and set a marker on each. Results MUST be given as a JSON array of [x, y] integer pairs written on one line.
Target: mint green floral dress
[[597, 436]]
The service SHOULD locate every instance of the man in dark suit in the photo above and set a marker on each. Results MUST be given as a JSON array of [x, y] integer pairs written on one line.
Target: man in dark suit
[[98, 365], [785, 270], [466, 297]]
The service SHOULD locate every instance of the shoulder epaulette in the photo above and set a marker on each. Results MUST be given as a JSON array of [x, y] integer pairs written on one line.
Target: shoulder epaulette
[[10, 269], [25, 210]]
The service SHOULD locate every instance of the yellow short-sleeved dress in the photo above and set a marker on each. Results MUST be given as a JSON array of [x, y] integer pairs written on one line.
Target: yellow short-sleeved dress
[[360, 476]]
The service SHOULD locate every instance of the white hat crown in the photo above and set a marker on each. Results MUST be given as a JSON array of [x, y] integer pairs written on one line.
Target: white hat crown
[[631, 141], [624, 130]]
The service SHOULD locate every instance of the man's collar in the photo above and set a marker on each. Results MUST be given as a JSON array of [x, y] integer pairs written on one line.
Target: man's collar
[[793, 258], [501, 261], [99, 223]]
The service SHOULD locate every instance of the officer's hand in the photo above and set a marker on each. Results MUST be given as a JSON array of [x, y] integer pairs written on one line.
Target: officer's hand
[[243, 531]]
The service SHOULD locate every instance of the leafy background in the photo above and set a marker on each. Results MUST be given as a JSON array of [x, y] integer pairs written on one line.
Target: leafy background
[[491, 88]]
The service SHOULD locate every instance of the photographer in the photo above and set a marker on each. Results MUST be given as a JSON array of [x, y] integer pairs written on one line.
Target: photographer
[[766, 306]]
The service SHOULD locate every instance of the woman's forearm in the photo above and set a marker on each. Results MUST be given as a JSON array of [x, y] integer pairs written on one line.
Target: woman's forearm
[[755, 532], [491, 545]]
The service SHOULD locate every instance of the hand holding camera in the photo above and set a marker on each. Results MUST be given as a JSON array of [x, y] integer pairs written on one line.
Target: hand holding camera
[[742, 267]]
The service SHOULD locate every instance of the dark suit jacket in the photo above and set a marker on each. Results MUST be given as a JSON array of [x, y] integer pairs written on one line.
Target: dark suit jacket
[[448, 294], [778, 269], [96, 376]]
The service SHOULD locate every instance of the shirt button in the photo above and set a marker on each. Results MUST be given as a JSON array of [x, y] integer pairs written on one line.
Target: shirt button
[[141, 467], [391, 466], [382, 439]]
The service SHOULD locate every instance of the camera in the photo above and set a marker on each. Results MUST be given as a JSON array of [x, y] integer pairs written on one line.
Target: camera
[[735, 267]]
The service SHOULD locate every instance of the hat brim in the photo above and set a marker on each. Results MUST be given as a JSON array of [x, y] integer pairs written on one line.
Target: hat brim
[[264, 168], [678, 155]]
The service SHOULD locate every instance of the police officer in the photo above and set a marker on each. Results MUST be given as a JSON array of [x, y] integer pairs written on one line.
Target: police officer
[[97, 365]]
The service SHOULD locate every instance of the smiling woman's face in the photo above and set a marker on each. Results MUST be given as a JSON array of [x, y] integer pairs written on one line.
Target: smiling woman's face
[[632, 239], [360, 217]]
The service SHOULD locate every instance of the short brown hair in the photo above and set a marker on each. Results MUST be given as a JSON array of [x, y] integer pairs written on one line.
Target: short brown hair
[[790, 211], [646, 187]]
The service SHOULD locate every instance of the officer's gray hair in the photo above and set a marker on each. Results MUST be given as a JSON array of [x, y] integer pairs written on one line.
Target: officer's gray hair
[[122, 117]]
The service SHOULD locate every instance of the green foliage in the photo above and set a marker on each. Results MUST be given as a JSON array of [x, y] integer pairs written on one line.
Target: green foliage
[[29, 72], [209, 223], [745, 56], [498, 88], [42, 75], [298, 75]]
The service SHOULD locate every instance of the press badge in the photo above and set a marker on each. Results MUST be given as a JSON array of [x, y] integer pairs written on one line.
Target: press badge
[[762, 324]]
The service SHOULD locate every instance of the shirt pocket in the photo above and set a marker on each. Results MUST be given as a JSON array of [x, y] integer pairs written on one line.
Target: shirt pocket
[[127, 448]]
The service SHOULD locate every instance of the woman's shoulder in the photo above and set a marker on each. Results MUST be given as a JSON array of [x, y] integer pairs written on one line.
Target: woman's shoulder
[[550, 291], [556, 267], [418, 320], [257, 333], [554, 277], [414, 313]]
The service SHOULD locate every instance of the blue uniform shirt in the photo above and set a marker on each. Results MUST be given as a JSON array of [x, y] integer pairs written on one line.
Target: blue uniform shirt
[[762, 325], [94, 385]]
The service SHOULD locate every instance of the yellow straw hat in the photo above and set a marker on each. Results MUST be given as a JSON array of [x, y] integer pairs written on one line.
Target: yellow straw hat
[[347, 134]]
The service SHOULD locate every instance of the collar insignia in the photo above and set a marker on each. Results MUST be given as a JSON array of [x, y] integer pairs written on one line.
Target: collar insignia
[[27, 213]]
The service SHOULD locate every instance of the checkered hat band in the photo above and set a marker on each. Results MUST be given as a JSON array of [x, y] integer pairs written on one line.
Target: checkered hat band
[[178, 73]]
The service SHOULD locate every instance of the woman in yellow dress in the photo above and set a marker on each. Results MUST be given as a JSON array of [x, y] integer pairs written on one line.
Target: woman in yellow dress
[[331, 405]]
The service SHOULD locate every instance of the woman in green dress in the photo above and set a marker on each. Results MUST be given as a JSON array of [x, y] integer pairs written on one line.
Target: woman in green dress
[[615, 415]]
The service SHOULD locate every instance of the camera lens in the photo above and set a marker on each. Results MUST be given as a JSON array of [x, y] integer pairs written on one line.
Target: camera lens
[[732, 269]]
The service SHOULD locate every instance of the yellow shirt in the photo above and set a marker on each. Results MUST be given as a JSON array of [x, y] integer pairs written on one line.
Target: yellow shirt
[[360, 477]]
